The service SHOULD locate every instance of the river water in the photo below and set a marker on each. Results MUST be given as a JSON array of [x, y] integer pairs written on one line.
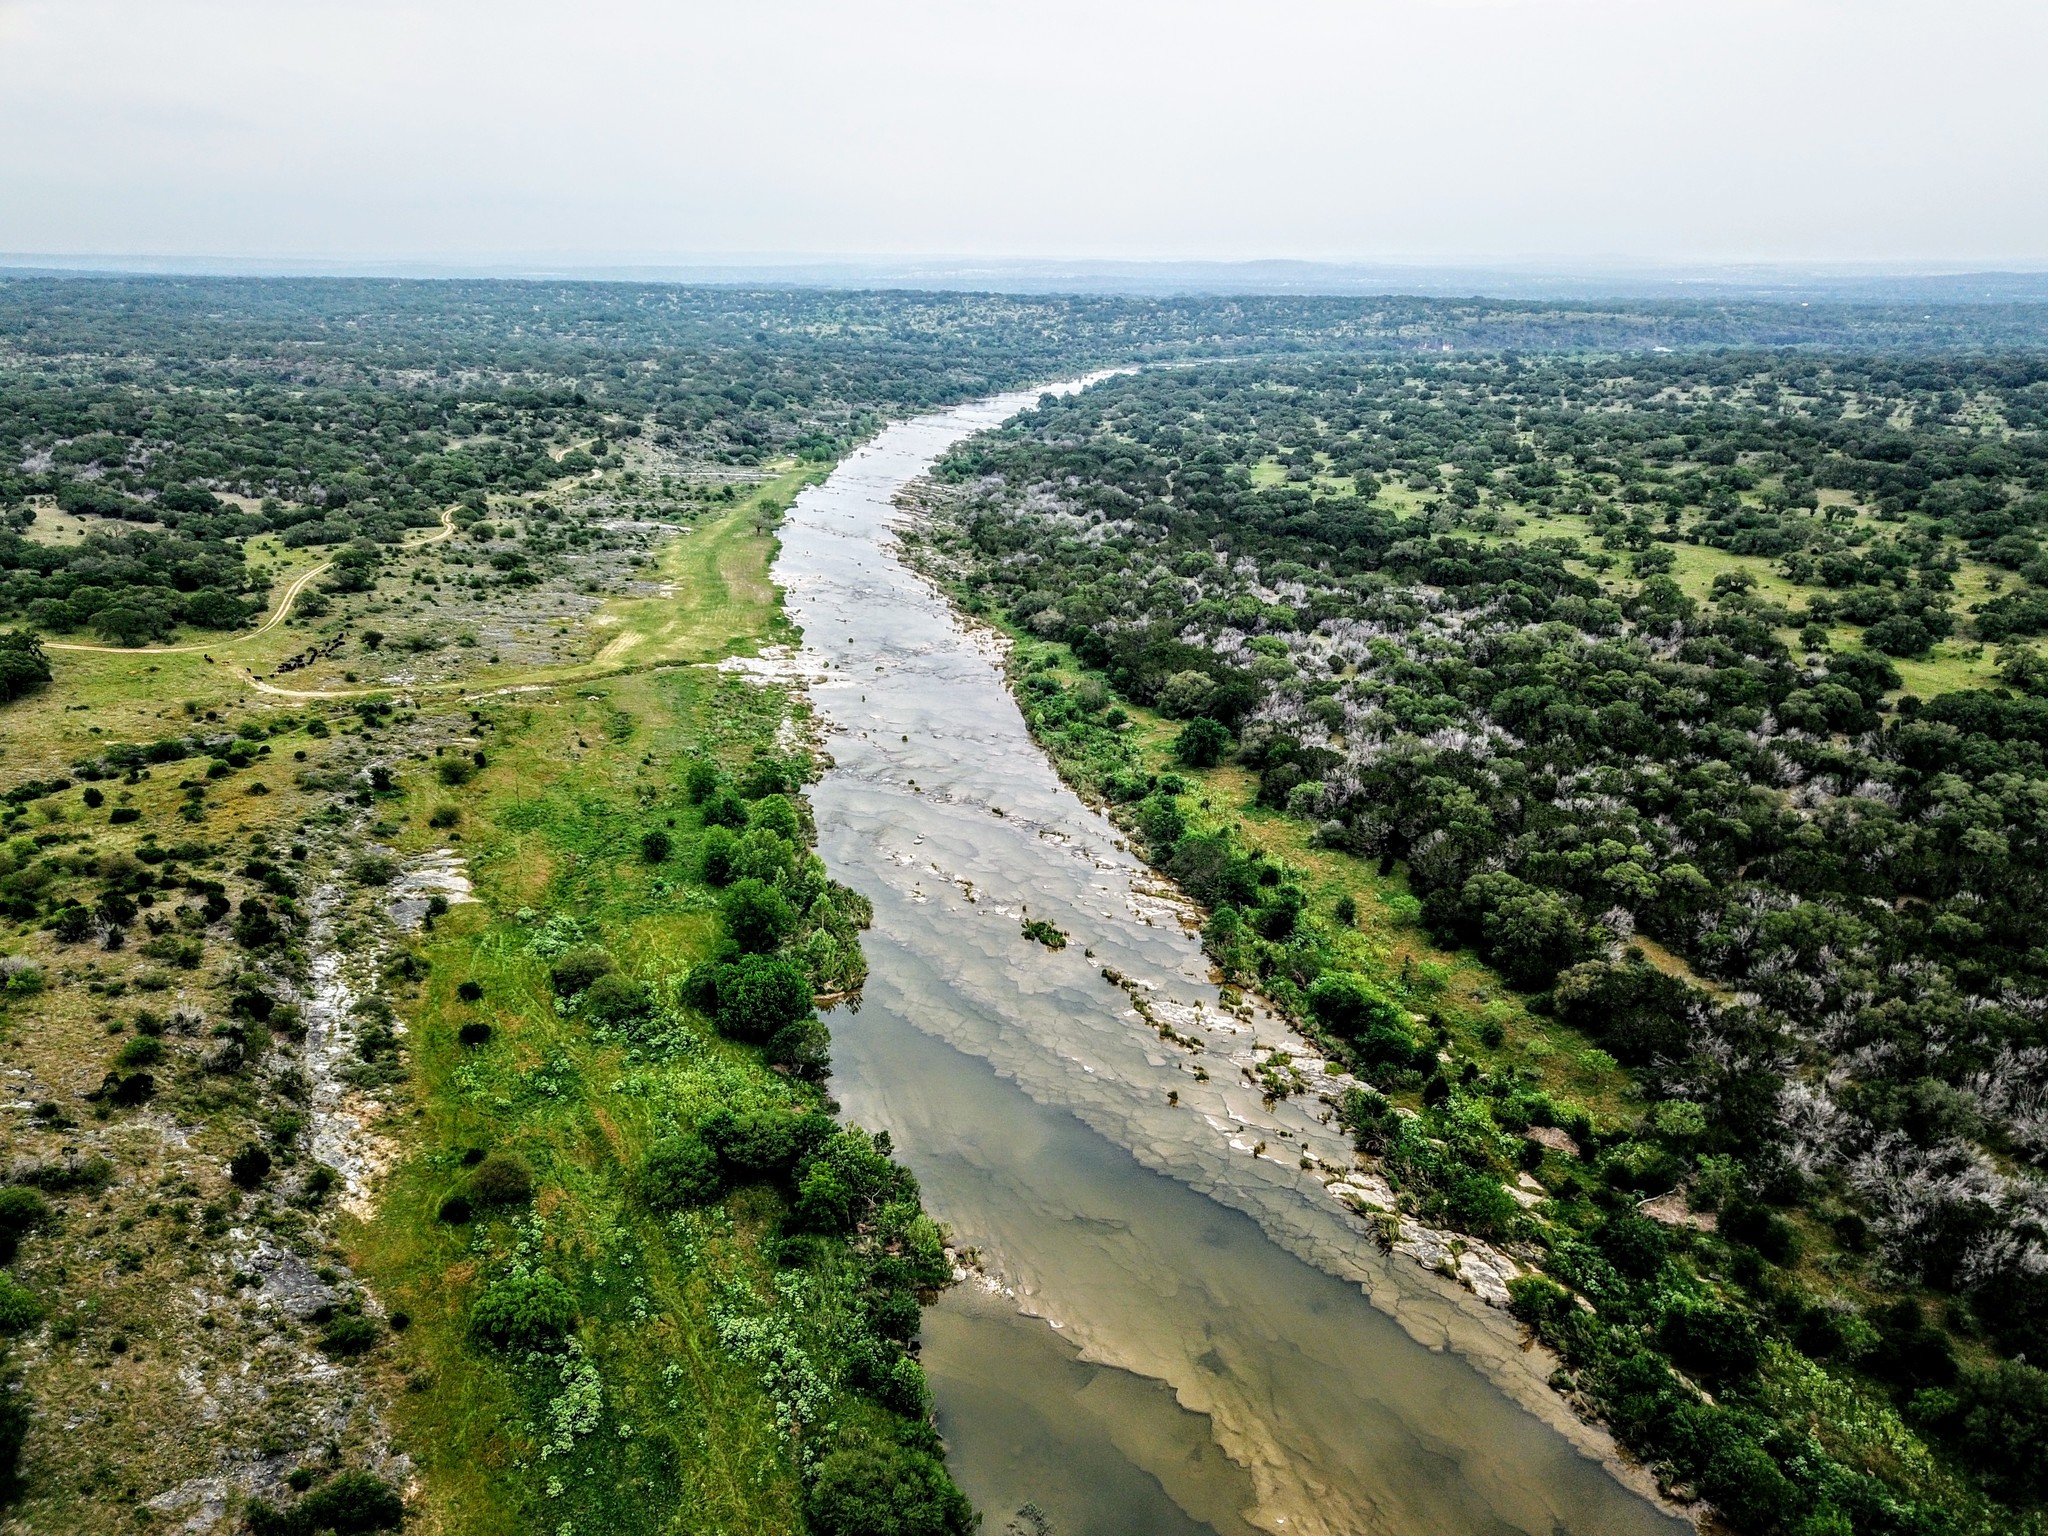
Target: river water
[[1174, 1328]]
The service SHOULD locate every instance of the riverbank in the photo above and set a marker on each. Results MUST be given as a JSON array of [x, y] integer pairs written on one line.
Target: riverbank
[[1113, 1181], [1280, 1059]]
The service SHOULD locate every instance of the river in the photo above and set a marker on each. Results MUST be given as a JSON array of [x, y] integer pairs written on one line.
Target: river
[[1174, 1328]]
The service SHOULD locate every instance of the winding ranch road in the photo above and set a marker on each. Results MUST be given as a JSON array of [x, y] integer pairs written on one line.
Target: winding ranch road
[[284, 608]]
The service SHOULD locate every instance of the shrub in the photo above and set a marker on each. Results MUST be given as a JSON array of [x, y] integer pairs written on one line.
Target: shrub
[[775, 813], [348, 1504], [372, 869], [1633, 1010], [15, 1418], [804, 1048], [1201, 743], [142, 1051], [1634, 1245], [615, 1002], [249, 1167], [1346, 1004], [349, 1335], [475, 1032], [700, 780], [22, 1210], [1713, 1342], [678, 1172], [471, 991], [577, 968], [757, 916], [715, 855], [1539, 1301], [725, 809], [24, 666], [766, 1143], [445, 816], [847, 1177], [503, 1178], [456, 1210], [759, 996], [1762, 1229], [771, 774], [1999, 1423], [1476, 1203], [19, 1308], [1745, 1485], [895, 1314], [896, 1381], [655, 846], [1041, 932], [523, 1310], [886, 1490], [454, 771]]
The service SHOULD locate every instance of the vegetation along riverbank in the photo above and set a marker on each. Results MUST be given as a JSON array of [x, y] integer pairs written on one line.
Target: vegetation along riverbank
[[1626, 765], [1628, 761]]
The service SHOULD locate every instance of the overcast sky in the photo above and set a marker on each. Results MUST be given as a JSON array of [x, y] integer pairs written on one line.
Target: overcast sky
[[607, 131]]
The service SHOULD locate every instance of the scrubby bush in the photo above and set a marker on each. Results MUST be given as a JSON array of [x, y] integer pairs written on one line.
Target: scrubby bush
[[679, 1172], [503, 1178], [349, 1335], [19, 1308], [475, 1032], [803, 1048], [523, 1310], [142, 1051], [24, 665], [250, 1166], [1201, 743], [755, 997], [1996, 1418], [576, 969], [725, 809], [1713, 1342], [775, 813], [1634, 1245], [616, 1002], [715, 854], [348, 1504], [655, 846], [847, 1177], [1762, 1229], [886, 1490], [700, 780], [22, 1210], [456, 1210], [764, 1144], [470, 991], [757, 916]]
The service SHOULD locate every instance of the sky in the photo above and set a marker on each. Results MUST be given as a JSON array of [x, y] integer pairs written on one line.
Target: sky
[[651, 131]]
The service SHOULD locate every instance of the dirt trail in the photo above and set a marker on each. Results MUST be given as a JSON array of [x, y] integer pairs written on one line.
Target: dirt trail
[[282, 612]]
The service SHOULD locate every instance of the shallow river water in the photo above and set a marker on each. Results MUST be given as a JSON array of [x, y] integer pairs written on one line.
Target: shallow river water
[[1175, 1328]]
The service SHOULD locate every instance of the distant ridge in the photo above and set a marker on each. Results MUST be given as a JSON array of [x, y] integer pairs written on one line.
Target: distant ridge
[[1837, 283]]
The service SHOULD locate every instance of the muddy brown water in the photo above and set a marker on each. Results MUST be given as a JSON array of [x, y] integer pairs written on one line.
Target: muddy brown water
[[1174, 1327]]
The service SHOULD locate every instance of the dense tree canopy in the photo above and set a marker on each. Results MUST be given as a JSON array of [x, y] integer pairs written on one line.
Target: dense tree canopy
[[1601, 650]]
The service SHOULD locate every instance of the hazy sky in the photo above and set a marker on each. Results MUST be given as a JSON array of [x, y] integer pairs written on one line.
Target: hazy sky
[[648, 130]]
